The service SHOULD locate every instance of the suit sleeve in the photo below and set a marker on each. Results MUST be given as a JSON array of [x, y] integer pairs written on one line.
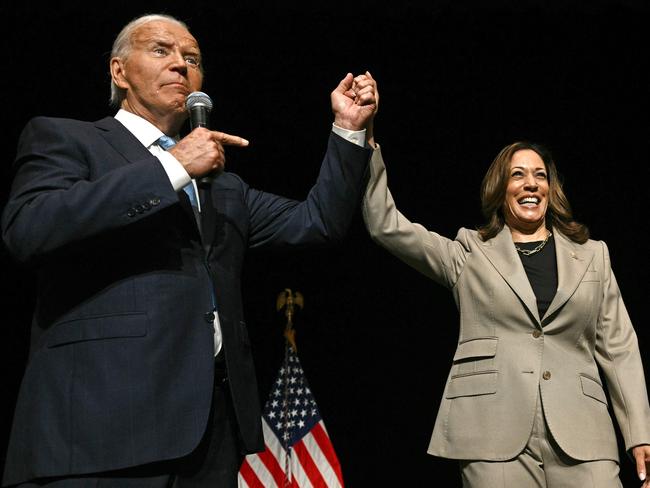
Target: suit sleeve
[[325, 215], [436, 256], [61, 194], [617, 353]]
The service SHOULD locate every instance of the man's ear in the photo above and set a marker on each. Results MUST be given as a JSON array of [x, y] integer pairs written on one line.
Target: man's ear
[[118, 73]]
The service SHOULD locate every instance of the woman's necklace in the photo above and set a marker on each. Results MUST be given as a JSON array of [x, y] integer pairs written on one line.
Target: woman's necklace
[[537, 248]]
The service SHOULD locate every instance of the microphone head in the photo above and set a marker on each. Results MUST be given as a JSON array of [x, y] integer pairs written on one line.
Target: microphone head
[[198, 99]]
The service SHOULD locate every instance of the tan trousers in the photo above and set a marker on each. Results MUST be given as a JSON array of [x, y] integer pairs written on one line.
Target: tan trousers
[[542, 464]]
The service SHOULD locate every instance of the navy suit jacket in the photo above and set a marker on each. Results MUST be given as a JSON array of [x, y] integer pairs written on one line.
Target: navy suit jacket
[[121, 362]]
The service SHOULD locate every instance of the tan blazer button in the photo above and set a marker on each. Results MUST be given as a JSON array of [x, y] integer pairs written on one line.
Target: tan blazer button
[[546, 375], [536, 333]]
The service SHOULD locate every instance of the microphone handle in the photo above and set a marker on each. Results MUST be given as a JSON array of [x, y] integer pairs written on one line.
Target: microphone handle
[[202, 122], [207, 179]]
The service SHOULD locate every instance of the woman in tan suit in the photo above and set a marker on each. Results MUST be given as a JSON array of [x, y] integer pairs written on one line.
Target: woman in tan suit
[[540, 311]]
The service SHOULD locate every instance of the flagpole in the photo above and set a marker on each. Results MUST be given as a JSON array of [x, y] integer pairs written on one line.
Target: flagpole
[[288, 300]]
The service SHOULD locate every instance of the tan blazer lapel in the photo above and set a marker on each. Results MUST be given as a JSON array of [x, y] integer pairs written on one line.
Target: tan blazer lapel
[[501, 252], [572, 263]]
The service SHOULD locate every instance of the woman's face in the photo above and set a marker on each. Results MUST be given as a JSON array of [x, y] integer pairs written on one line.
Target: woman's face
[[526, 197]]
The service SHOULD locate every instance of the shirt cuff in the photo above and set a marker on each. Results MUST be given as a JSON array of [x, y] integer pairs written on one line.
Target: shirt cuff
[[176, 173], [357, 137]]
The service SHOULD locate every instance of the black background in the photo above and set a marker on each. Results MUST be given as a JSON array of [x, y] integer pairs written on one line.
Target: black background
[[458, 81]]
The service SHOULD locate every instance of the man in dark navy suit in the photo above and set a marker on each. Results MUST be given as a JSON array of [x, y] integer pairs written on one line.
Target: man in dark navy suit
[[140, 371]]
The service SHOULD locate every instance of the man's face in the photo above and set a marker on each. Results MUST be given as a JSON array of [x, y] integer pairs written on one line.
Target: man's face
[[162, 68]]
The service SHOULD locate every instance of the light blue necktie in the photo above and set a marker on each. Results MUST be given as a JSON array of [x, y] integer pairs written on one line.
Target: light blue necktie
[[167, 142]]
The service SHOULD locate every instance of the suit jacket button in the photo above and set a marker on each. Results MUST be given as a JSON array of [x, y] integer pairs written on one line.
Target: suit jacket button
[[146, 205], [546, 375], [209, 317], [139, 208], [154, 201], [131, 212], [537, 333]]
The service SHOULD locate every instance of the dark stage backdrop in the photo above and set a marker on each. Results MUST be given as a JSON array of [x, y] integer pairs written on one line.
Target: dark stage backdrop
[[458, 81]]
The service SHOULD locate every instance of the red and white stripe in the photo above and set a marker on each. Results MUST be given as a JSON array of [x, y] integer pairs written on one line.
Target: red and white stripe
[[313, 463]]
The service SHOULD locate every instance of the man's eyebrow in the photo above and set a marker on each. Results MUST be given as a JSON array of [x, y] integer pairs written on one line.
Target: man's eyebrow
[[190, 45]]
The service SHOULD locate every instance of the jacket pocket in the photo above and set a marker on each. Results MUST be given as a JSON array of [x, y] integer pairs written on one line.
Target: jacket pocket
[[98, 327], [481, 347], [591, 276], [593, 389], [472, 384]]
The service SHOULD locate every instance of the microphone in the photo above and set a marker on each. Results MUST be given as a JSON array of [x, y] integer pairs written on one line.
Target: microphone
[[199, 106]]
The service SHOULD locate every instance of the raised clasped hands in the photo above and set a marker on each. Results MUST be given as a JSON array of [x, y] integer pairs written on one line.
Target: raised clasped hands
[[355, 102], [202, 152]]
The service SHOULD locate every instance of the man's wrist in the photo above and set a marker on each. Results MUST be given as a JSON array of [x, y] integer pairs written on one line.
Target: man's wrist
[[357, 137], [176, 173]]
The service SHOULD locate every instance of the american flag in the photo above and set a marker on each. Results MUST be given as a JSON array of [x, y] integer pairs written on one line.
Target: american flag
[[299, 453]]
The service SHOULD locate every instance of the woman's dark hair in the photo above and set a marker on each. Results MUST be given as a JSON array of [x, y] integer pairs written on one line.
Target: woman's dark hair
[[493, 191]]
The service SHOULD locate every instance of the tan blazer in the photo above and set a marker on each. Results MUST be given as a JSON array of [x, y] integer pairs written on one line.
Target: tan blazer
[[507, 354]]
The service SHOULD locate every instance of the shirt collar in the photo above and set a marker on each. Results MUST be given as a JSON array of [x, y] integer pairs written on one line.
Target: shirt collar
[[142, 129]]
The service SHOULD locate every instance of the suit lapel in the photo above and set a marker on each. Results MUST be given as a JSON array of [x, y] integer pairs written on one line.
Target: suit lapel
[[572, 263], [501, 252], [125, 143], [121, 139]]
